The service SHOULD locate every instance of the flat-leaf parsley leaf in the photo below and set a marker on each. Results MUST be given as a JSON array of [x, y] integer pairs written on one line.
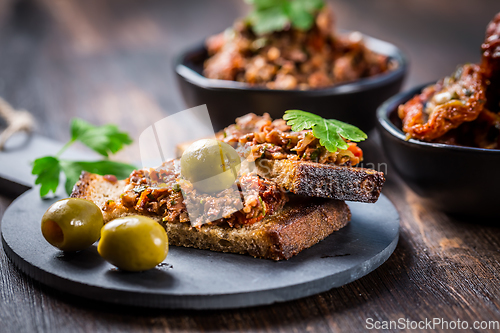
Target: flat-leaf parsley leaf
[[275, 15], [47, 169], [104, 140], [330, 132]]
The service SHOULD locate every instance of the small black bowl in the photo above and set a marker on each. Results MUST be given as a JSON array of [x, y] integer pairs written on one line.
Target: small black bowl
[[455, 179], [353, 102]]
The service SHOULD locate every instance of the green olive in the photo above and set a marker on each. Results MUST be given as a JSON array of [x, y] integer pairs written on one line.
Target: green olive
[[210, 165], [72, 224], [133, 243]]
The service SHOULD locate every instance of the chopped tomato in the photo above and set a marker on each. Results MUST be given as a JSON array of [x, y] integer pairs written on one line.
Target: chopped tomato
[[353, 147]]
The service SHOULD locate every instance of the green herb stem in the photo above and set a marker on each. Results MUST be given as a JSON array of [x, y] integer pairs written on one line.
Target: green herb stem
[[66, 146]]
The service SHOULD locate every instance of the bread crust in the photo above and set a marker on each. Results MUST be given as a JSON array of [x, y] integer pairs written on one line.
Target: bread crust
[[324, 180], [302, 223]]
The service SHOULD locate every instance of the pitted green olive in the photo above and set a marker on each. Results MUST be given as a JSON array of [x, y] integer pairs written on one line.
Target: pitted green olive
[[72, 224], [210, 165], [133, 243]]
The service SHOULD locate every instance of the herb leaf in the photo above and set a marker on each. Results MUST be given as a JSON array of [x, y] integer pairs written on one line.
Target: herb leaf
[[311, 5], [73, 169], [276, 15], [263, 4], [331, 133], [348, 131], [300, 16], [268, 20], [47, 170], [104, 139]]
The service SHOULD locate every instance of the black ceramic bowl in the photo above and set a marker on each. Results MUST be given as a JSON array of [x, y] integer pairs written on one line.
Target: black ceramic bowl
[[455, 179], [354, 102]]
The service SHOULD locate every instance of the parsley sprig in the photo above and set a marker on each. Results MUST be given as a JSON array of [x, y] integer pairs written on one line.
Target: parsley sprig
[[275, 15], [330, 132], [105, 140]]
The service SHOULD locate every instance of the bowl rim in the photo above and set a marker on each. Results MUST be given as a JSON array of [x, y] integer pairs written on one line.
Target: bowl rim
[[373, 44], [390, 106]]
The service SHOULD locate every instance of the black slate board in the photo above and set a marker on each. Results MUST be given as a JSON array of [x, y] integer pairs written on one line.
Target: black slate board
[[200, 279]]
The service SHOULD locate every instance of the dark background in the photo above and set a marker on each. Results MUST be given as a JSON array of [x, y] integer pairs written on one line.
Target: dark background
[[111, 61], [66, 58]]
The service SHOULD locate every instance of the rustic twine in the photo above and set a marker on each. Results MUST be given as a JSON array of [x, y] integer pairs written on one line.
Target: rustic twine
[[17, 120]]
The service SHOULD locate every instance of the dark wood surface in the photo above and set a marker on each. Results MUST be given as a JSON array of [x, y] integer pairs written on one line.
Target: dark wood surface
[[111, 61]]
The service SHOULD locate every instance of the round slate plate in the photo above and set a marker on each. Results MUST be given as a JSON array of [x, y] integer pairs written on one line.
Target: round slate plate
[[201, 279]]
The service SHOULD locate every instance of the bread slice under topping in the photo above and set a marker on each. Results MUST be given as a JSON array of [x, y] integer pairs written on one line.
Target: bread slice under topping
[[300, 224]]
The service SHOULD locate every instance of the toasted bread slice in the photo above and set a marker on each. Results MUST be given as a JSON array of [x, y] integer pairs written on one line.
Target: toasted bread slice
[[302, 223], [323, 180], [319, 180]]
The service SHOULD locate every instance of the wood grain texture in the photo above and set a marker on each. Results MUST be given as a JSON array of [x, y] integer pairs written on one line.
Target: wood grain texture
[[110, 60]]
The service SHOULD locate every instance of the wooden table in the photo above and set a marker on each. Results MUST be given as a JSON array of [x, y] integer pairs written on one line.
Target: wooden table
[[111, 61]]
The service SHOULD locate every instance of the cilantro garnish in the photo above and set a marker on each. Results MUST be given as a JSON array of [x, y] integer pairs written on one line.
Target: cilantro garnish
[[276, 15], [330, 132], [104, 140]]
